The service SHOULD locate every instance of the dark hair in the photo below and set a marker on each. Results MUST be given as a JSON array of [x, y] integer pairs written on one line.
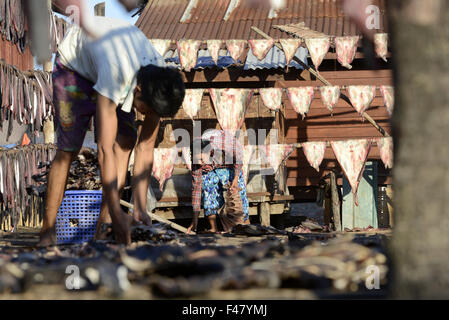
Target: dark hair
[[162, 89]]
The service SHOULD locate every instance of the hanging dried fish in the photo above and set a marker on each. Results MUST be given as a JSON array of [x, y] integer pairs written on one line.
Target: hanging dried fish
[[18, 189], [161, 45], [271, 97], [330, 96], [235, 48], [12, 23], [318, 48], [361, 97], [260, 48], [188, 53], [352, 155], [192, 102], [290, 46], [230, 106], [346, 48], [213, 46], [301, 98], [314, 152]]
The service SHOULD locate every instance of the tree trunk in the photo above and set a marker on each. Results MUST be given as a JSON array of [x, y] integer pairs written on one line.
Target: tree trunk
[[420, 245]]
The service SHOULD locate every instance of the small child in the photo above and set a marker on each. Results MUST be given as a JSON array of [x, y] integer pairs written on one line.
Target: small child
[[211, 173]]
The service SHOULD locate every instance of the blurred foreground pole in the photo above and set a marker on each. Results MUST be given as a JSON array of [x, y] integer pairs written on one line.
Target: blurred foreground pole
[[38, 25], [420, 246]]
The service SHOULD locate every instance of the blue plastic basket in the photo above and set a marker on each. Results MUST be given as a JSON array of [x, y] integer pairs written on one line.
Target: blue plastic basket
[[77, 216]]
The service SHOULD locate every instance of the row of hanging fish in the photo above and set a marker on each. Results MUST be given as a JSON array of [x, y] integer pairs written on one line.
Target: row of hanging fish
[[230, 104], [345, 48], [22, 183], [350, 154], [361, 97], [26, 97], [165, 159]]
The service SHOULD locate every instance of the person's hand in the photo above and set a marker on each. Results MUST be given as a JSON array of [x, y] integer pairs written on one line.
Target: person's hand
[[143, 218], [122, 228]]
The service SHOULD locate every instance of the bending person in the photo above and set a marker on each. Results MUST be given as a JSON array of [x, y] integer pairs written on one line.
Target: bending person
[[108, 78]]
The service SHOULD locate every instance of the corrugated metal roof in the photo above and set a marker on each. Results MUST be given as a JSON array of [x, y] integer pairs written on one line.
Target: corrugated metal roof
[[203, 61], [161, 19]]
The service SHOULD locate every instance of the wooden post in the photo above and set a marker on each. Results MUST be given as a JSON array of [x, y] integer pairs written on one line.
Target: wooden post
[[100, 9], [335, 202], [264, 213], [327, 206]]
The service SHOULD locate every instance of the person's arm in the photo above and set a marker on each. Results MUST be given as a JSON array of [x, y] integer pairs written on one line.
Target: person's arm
[[107, 132], [143, 164]]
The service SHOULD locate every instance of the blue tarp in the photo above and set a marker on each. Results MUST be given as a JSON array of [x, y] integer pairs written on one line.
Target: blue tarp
[[9, 146]]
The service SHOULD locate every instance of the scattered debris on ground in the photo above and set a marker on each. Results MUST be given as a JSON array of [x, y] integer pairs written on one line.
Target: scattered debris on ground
[[85, 171]]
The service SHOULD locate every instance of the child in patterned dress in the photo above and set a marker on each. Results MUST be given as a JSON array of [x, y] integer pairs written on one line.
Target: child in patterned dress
[[211, 174]]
